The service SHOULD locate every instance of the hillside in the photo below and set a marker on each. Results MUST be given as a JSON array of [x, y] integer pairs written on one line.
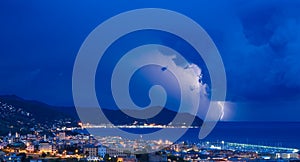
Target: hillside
[[17, 114]]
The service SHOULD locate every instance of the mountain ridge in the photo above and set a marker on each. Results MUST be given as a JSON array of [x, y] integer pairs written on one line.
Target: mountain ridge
[[43, 113]]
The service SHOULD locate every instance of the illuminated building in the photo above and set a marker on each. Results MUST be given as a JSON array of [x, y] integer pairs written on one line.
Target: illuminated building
[[45, 147], [90, 150]]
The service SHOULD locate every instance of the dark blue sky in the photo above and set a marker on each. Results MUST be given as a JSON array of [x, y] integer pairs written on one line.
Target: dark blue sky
[[259, 42]]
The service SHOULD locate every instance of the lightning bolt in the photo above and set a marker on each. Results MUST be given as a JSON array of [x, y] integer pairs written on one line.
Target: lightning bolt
[[221, 104]]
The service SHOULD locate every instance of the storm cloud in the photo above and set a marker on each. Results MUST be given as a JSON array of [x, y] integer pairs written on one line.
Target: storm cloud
[[259, 42]]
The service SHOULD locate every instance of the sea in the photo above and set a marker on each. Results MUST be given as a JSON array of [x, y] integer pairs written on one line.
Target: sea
[[279, 134]]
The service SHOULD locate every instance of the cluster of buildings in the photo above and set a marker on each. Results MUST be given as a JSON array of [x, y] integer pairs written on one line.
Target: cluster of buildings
[[78, 146], [70, 143]]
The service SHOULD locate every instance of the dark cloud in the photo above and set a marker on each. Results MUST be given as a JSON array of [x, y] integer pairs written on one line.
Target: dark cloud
[[261, 51], [259, 42]]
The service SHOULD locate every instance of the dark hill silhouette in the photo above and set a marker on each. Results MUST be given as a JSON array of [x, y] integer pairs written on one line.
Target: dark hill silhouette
[[38, 112]]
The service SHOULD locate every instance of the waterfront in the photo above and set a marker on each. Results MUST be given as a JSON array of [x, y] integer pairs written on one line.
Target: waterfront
[[68, 145], [283, 134]]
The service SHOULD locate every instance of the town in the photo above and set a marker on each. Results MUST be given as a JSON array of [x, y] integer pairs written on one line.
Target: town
[[30, 138], [70, 144]]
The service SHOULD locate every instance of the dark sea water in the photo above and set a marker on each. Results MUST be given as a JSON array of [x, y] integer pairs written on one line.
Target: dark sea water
[[283, 134]]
